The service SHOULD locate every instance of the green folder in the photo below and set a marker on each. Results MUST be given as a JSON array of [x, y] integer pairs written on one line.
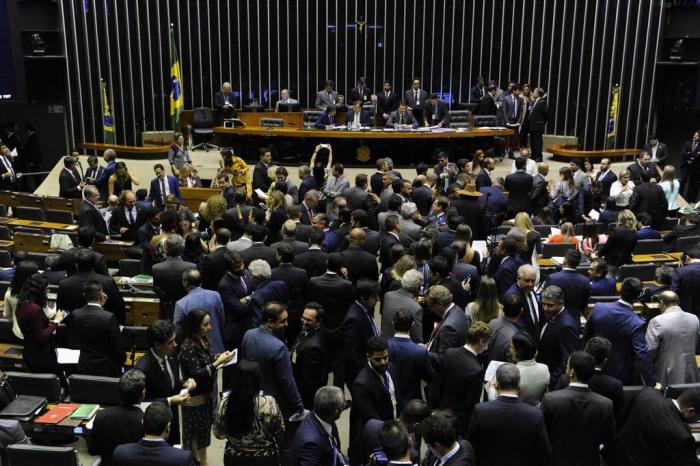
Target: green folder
[[85, 411]]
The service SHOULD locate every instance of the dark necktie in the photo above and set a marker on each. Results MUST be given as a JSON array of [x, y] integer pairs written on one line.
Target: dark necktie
[[131, 217], [162, 189], [417, 98], [168, 379], [311, 214]]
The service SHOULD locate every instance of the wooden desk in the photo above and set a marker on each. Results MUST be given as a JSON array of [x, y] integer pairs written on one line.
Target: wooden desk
[[6, 245], [569, 151], [646, 258], [376, 133], [32, 242], [113, 250], [193, 197], [46, 226], [675, 255], [59, 203], [130, 152], [542, 262], [142, 311], [7, 198]]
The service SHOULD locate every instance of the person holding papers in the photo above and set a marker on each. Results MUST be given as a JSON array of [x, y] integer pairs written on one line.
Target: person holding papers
[[225, 102], [402, 119], [358, 118], [327, 119]]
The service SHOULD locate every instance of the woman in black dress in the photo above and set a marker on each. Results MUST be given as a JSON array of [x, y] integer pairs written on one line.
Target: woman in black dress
[[198, 363], [121, 180]]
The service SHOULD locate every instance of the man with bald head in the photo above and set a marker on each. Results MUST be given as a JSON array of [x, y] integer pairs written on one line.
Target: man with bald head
[[225, 102], [422, 195], [671, 338], [90, 215], [110, 157], [127, 218], [358, 262], [540, 187], [530, 165], [285, 99], [289, 231]]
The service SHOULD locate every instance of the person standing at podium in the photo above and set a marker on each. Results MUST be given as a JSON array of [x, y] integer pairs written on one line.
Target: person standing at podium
[[225, 102], [285, 99], [361, 92]]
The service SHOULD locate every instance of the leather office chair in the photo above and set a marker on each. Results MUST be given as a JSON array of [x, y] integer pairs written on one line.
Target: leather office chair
[[458, 118], [649, 246], [59, 216], [29, 213], [485, 120], [22, 454], [94, 389], [31, 384], [683, 244], [5, 259], [129, 267], [203, 125], [579, 227], [550, 250], [309, 117], [645, 272]]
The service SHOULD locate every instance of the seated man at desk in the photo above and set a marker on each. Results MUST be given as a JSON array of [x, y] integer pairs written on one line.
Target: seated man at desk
[[225, 102], [285, 99], [327, 119], [358, 117], [403, 118]]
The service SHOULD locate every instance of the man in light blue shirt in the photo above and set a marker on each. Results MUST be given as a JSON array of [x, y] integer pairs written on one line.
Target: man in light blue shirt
[[199, 298]]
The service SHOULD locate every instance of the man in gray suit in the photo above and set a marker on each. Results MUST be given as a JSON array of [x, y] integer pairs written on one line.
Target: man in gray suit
[[411, 232], [327, 96], [504, 327], [671, 338], [335, 185], [416, 99], [451, 330], [404, 298]]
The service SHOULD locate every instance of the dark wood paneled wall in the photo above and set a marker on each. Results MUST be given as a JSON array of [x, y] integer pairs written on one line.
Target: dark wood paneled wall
[[575, 49]]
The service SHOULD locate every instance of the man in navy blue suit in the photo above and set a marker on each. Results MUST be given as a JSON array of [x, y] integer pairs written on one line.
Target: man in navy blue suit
[[235, 289], [504, 266], [601, 283], [507, 431], [101, 181], [532, 312], [266, 290], [358, 327], [605, 176], [644, 228], [153, 448], [685, 282], [559, 335], [327, 118], [317, 441], [412, 361], [162, 185], [576, 286], [626, 331]]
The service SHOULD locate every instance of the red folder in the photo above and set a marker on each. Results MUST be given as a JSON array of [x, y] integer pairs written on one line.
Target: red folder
[[57, 414]]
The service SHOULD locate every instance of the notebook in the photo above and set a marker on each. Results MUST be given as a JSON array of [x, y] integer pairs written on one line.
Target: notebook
[[86, 411], [56, 415]]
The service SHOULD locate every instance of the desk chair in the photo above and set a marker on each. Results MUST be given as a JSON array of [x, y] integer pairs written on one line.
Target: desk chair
[[59, 216], [29, 213], [5, 259], [93, 389], [545, 230], [203, 125], [309, 117], [645, 272], [649, 246], [675, 390], [550, 250], [129, 267], [683, 244], [485, 120], [31, 455], [579, 227], [458, 118], [46, 385]]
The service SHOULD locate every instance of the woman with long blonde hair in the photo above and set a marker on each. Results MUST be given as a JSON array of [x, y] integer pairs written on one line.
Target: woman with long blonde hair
[[619, 247], [532, 236], [567, 235], [671, 187], [486, 307]]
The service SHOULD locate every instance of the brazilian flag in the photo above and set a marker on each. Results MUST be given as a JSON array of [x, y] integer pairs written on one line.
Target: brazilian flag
[[107, 121], [611, 128], [177, 102]]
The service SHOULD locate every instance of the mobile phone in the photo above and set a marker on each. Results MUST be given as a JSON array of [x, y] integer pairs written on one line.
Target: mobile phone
[[380, 458]]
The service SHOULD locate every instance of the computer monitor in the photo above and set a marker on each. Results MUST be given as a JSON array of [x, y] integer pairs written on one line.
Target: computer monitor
[[288, 108]]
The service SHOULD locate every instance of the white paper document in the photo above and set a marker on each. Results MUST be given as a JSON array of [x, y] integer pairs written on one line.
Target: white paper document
[[67, 355], [594, 214], [491, 370]]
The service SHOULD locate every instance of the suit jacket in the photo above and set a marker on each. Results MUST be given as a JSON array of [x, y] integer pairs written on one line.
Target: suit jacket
[[234, 225], [540, 192], [684, 283], [371, 400], [70, 294], [68, 185], [199, 298], [464, 456], [671, 339], [297, 282], [649, 198], [91, 217], [357, 198], [232, 289], [155, 453], [538, 116], [324, 99], [471, 209], [310, 364], [260, 179], [661, 153], [654, 433], [360, 264], [519, 187], [606, 179], [213, 268], [395, 118], [99, 340], [423, 197], [410, 232], [392, 302], [103, 177], [387, 105], [299, 247], [412, 364], [336, 295], [619, 247], [313, 261], [324, 119], [372, 241], [647, 232], [357, 329], [409, 99], [114, 426], [435, 114], [558, 339], [265, 292], [503, 331], [690, 155], [155, 194], [511, 111], [388, 240], [119, 219], [506, 273], [167, 276], [625, 330], [476, 93], [451, 332], [375, 183], [578, 421], [311, 445], [636, 171], [531, 327], [458, 385], [604, 286], [509, 418], [577, 290], [362, 95], [259, 251], [483, 180], [487, 105], [219, 101], [68, 262], [365, 118], [261, 346]]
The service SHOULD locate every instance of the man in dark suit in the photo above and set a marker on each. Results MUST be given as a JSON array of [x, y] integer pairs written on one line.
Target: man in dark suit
[[658, 151], [261, 180], [487, 104], [540, 187], [70, 291], [167, 275], [436, 112], [310, 354], [225, 102], [578, 420], [387, 101], [313, 260], [411, 360], [309, 196], [422, 195], [357, 197], [507, 431], [97, 334], [690, 168], [643, 164], [606, 176], [357, 117], [504, 267], [451, 330], [649, 198], [258, 249], [402, 117], [519, 186], [532, 311], [376, 181], [358, 327], [358, 262], [327, 119], [360, 92], [90, 215], [360, 219], [444, 448], [460, 381], [389, 239], [161, 186], [313, 443], [415, 98], [265, 291], [101, 181], [478, 91], [289, 231], [576, 286], [235, 289], [213, 266], [511, 116], [483, 179], [559, 336], [127, 218], [626, 331], [655, 430], [686, 279], [297, 282], [117, 425], [538, 115], [153, 448], [690, 226], [86, 239], [70, 185], [335, 293]]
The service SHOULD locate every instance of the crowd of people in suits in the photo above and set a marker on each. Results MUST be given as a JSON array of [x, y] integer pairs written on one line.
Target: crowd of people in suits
[[288, 279]]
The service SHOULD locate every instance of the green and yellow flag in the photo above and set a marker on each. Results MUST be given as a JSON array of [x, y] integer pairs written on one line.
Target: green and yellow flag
[[107, 121], [611, 130], [177, 102]]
